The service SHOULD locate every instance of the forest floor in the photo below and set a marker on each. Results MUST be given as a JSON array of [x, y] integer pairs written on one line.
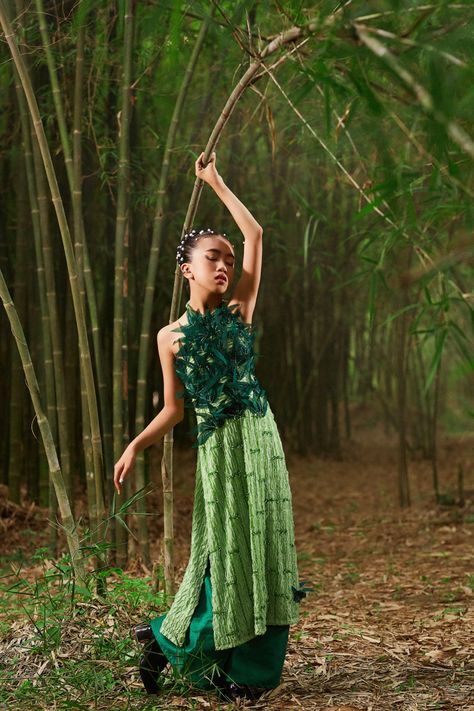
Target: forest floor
[[388, 627]]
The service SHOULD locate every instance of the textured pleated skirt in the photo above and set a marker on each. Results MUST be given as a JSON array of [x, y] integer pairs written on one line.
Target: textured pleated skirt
[[243, 522], [257, 662], [240, 589]]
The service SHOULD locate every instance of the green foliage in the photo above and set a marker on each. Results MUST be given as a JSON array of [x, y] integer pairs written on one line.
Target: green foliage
[[89, 637]]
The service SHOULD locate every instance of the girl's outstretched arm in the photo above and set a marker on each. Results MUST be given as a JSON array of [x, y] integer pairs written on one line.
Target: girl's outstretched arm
[[246, 290]]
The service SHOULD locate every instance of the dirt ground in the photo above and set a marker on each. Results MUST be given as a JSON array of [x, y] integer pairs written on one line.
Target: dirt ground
[[390, 622]]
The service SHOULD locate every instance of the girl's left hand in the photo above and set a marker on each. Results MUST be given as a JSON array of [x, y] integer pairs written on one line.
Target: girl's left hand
[[209, 174]]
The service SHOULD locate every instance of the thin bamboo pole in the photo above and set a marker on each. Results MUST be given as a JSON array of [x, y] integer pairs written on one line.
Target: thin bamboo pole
[[45, 332], [43, 424], [16, 453], [82, 251], [92, 108], [155, 250], [74, 173], [54, 319], [120, 354]]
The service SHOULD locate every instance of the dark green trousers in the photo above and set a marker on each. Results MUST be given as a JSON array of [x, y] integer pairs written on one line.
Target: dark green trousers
[[257, 662]]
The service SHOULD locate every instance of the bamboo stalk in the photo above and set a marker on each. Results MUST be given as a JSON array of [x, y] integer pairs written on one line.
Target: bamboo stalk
[[93, 297], [74, 173], [16, 453], [67, 245], [82, 253], [45, 331], [120, 353], [433, 426], [43, 424], [54, 320], [155, 250]]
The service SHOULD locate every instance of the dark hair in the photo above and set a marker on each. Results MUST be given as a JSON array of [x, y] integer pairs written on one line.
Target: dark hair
[[188, 243]]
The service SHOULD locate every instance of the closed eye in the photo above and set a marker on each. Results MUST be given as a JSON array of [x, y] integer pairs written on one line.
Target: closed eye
[[214, 259]]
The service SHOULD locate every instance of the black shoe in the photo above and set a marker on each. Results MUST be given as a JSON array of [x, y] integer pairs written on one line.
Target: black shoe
[[152, 663], [142, 632], [222, 689], [234, 691]]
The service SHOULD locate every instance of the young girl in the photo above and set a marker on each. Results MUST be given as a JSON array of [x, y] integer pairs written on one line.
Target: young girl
[[229, 621]]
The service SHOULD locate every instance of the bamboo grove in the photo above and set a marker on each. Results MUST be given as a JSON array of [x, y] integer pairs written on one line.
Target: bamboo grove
[[347, 130]]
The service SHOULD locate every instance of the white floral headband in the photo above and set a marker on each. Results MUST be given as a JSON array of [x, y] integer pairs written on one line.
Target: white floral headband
[[192, 235]]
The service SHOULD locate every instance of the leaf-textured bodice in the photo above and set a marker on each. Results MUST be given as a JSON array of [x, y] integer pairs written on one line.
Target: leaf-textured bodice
[[216, 363]]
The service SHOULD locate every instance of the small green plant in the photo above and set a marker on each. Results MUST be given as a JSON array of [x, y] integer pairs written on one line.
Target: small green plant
[[329, 528], [319, 561], [452, 595], [398, 592], [454, 610], [352, 576], [409, 683], [450, 611]]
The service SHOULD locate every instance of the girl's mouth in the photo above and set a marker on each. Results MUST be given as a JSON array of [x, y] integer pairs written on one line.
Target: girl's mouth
[[222, 279]]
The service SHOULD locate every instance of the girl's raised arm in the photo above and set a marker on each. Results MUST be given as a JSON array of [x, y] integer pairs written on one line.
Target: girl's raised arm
[[246, 290]]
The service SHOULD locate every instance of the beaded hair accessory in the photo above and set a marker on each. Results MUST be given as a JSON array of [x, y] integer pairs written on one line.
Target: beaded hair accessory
[[192, 235]]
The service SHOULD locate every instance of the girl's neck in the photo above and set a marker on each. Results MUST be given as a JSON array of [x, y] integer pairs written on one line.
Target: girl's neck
[[200, 303]]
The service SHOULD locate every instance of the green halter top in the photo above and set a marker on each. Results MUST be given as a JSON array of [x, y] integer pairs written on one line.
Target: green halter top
[[216, 364]]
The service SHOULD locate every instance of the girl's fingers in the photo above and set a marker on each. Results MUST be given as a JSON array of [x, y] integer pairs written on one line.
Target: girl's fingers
[[212, 159], [119, 476], [118, 482]]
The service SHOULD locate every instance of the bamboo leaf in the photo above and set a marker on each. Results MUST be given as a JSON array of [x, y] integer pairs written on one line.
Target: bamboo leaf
[[398, 313], [327, 108], [440, 339], [369, 207], [365, 90], [83, 9], [460, 339]]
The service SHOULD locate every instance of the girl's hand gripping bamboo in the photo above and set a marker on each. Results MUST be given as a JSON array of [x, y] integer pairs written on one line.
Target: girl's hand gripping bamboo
[[209, 174]]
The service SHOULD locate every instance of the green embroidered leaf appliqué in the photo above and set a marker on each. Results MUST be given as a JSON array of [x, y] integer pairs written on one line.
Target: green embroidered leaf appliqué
[[216, 364]]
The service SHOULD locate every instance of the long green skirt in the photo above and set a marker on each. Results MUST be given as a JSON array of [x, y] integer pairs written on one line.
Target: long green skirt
[[258, 662]]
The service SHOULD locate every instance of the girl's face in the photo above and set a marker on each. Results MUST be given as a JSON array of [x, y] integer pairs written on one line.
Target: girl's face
[[212, 265]]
